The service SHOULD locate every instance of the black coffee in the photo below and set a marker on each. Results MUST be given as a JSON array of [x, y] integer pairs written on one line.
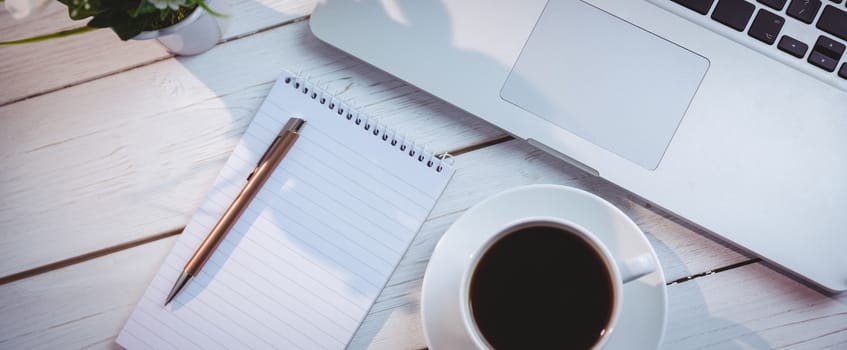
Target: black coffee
[[541, 288]]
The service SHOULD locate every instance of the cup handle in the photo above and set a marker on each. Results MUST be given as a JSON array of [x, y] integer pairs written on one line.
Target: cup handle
[[637, 267]]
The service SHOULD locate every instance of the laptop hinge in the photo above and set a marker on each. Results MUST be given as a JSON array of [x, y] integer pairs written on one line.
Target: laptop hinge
[[564, 157]]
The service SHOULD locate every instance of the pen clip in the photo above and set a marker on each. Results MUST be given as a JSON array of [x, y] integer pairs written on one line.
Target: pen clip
[[264, 156]]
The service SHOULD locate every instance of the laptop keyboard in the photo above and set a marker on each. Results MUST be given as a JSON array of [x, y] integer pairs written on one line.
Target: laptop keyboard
[[807, 34]]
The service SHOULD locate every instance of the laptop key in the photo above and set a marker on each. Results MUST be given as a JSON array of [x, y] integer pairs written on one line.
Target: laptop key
[[826, 53], [822, 61], [793, 46], [766, 26], [829, 47], [733, 13], [775, 4], [700, 6], [834, 21], [843, 72], [804, 10]]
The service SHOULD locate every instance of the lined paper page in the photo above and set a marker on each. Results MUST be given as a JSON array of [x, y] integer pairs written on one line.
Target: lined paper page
[[309, 256]]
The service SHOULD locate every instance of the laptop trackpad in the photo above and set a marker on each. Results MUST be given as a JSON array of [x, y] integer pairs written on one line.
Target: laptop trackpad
[[605, 80]]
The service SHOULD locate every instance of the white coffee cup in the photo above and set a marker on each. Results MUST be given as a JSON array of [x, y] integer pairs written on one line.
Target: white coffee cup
[[617, 271]]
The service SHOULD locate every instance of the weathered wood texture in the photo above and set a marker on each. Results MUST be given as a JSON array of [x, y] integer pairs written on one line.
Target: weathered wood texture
[[748, 296], [42, 67], [103, 143], [131, 155]]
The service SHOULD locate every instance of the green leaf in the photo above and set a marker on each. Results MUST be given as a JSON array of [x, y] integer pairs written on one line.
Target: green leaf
[[128, 18], [209, 10], [102, 20], [61, 34], [128, 29], [144, 8], [77, 9]]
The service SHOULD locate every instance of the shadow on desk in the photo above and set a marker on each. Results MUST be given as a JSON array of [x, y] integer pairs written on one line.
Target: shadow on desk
[[239, 73], [688, 310]]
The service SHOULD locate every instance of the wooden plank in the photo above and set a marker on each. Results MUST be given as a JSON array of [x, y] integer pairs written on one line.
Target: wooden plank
[[748, 307], [753, 306], [84, 305], [37, 68], [132, 155], [394, 320], [515, 163]]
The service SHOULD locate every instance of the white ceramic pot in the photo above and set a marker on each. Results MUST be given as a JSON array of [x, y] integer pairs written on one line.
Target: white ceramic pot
[[195, 34]]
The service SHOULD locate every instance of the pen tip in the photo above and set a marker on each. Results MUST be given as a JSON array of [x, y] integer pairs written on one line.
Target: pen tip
[[183, 279]]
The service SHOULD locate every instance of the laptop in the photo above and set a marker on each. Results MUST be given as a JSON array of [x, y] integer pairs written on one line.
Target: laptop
[[731, 114]]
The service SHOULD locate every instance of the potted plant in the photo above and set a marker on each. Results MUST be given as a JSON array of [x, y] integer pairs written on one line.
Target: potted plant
[[184, 27]]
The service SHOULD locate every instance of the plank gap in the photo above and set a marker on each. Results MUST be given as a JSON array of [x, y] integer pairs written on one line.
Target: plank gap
[[147, 63], [712, 272], [480, 145], [131, 244], [265, 29], [83, 81], [87, 256]]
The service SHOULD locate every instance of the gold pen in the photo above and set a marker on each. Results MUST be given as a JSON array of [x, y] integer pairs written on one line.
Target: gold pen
[[269, 161]]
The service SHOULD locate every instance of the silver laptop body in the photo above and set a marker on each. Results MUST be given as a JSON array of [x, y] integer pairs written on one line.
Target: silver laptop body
[[694, 112]]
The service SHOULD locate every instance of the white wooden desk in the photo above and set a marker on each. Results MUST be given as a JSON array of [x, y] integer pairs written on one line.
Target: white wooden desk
[[108, 147]]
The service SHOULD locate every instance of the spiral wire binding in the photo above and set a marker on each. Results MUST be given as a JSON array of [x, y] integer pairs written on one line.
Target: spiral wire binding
[[381, 132]]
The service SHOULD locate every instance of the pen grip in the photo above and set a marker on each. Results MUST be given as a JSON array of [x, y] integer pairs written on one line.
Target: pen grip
[[254, 183]]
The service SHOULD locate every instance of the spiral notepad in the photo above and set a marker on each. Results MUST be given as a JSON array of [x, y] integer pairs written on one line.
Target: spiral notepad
[[314, 249]]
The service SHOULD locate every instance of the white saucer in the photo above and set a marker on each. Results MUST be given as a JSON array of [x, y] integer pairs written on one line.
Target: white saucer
[[644, 315]]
